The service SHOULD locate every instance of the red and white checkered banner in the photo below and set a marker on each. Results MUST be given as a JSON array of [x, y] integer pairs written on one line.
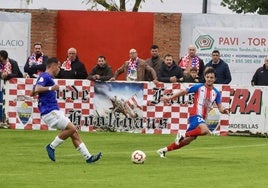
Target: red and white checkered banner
[[116, 106]]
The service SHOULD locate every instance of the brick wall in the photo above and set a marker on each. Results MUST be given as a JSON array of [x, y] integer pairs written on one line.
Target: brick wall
[[43, 29], [166, 31]]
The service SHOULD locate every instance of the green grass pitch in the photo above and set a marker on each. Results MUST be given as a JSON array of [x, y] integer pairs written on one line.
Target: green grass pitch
[[209, 162]]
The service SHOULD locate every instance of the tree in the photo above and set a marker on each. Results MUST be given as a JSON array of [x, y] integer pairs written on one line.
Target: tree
[[247, 6], [116, 5]]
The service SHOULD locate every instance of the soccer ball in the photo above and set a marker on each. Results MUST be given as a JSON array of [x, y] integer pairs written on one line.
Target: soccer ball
[[138, 157]]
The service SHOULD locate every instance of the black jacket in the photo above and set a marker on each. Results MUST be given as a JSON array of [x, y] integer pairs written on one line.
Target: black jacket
[[166, 72], [16, 73], [78, 71], [105, 72], [35, 68]]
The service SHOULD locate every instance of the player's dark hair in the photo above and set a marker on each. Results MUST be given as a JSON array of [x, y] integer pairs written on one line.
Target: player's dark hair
[[51, 61], [209, 70]]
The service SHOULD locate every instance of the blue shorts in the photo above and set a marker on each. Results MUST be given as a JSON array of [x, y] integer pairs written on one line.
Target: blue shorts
[[194, 121]]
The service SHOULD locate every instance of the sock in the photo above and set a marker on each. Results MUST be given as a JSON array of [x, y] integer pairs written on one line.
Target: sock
[[174, 146], [194, 132], [57, 141], [84, 151]]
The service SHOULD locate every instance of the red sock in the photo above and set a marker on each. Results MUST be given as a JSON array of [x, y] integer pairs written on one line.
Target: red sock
[[194, 132], [174, 146]]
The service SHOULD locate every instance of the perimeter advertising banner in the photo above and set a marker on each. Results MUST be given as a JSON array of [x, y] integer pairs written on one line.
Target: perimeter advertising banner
[[243, 49], [248, 110], [15, 35], [116, 106]]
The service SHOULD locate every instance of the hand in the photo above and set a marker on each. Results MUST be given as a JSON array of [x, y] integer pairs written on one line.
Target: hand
[[4, 75], [225, 111], [112, 79], [173, 79], [165, 98]]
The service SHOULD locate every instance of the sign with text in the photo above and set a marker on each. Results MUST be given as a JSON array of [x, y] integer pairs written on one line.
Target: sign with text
[[243, 49]]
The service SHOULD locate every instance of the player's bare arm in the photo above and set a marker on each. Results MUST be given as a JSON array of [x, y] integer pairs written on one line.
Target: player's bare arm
[[179, 93], [40, 89]]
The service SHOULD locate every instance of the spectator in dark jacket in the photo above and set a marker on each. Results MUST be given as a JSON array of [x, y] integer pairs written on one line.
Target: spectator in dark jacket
[[260, 77], [223, 73], [72, 68], [8, 67], [102, 71], [169, 72], [36, 63]]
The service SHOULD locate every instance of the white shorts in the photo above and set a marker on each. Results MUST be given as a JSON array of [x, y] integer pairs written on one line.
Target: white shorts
[[56, 120]]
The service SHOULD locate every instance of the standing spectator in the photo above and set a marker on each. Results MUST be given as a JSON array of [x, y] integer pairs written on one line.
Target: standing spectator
[[192, 78], [72, 68], [169, 71], [191, 60], [51, 114], [222, 69], [102, 71], [36, 63], [260, 78], [134, 69], [155, 61], [9, 68]]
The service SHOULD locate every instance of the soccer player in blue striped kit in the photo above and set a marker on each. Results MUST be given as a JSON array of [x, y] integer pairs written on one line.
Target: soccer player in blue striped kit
[[205, 94], [45, 88]]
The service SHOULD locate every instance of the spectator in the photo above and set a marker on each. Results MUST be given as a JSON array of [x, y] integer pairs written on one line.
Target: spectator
[[169, 72], [191, 60], [134, 69], [102, 71], [222, 69], [36, 63], [72, 68], [192, 78], [9, 68], [260, 77], [155, 61]]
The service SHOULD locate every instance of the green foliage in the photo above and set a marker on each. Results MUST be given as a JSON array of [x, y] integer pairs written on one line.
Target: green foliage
[[112, 5], [209, 162], [247, 6]]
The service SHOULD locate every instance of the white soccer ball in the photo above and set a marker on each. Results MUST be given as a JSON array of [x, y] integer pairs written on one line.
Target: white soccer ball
[[138, 157]]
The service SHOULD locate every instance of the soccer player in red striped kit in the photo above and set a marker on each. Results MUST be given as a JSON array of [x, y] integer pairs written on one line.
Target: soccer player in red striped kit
[[205, 94]]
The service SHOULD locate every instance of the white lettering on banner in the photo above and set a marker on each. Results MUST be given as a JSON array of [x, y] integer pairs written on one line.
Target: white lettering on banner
[[243, 52]]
